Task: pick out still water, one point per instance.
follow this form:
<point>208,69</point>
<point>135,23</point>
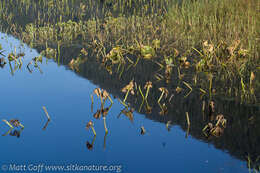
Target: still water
<point>64,141</point>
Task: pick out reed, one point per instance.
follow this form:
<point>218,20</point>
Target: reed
<point>46,113</point>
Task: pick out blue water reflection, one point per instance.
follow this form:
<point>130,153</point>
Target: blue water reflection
<point>63,142</point>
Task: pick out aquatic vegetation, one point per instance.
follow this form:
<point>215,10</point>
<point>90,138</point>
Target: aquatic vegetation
<point>17,58</point>
<point>170,37</point>
<point>7,122</point>
<point>178,89</point>
<point>12,132</point>
<point>164,109</point>
<point>128,113</point>
<point>147,52</point>
<point>147,86</point>
<point>217,129</point>
<point>185,83</point>
<point>221,120</point>
<point>188,118</point>
<point>103,95</point>
<point>97,115</point>
<point>46,124</point>
<point>2,62</point>
<point>168,125</point>
<point>75,63</point>
<point>13,122</point>
<point>46,113</point>
<point>211,107</point>
<point>128,88</point>
<point>49,52</point>
<point>16,133</point>
<point>164,92</point>
<point>103,112</point>
<point>143,131</point>
<point>91,145</point>
<point>35,61</point>
<point>90,124</point>
<point>115,55</point>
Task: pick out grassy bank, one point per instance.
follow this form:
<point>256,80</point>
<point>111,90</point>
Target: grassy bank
<point>212,45</point>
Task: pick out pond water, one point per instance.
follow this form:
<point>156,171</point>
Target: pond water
<point>63,142</point>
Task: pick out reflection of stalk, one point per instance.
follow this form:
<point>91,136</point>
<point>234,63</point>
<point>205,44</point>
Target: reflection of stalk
<point>123,103</point>
<point>160,97</point>
<point>58,53</point>
<point>123,69</point>
<point>7,133</point>
<point>12,71</point>
<point>46,124</point>
<point>29,67</point>
<point>92,103</point>
<point>187,132</point>
<point>210,85</point>
<point>126,95</point>
<point>188,119</point>
<point>102,103</point>
<point>185,83</point>
<point>8,123</point>
<point>141,106</point>
<point>147,91</point>
<point>21,125</point>
<point>105,138</point>
<point>39,69</point>
<point>140,90</point>
<point>136,61</point>
<point>46,113</point>
<point>110,99</point>
<point>93,130</point>
<point>147,105</point>
<point>105,125</point>
<point>93,140</point>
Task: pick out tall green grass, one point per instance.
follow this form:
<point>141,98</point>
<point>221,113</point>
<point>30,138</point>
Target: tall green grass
<point>217,21</point>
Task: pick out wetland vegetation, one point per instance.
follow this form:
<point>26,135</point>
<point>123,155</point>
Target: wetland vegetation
<point>169,60</point>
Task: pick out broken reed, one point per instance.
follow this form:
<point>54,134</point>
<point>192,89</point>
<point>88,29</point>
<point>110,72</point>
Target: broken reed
<point>187,118</point>
<point>46,113</point>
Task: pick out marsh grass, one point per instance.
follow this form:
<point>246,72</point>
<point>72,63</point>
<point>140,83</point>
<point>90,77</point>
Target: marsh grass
<point>219,40</point>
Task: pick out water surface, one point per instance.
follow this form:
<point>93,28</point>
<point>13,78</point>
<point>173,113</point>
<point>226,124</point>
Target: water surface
<point>67,98</point>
